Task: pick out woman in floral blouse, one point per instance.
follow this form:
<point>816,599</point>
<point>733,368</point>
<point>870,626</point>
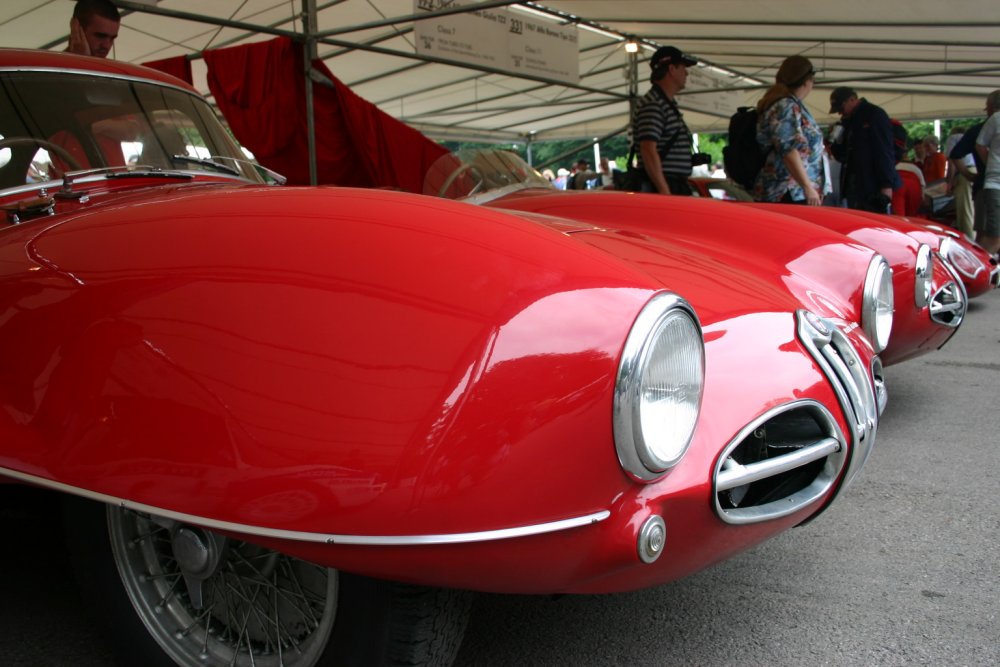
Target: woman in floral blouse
<point>793,170</point>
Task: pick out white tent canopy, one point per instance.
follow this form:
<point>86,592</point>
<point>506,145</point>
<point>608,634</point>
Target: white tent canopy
<point>921,59</point>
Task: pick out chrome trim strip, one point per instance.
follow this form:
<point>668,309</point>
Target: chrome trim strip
<point>322,538</point>
<point>733,474</point>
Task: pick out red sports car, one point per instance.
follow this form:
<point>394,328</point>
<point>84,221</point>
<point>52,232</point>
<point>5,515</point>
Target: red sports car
<point>930,299</point>
<point>294,425</point>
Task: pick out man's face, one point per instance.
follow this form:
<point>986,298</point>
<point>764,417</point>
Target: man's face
<point>847,108</point>
<point>101,34</point>
<point>679,73</point>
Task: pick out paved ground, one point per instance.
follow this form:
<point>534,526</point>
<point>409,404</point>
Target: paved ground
<point>904,570</point>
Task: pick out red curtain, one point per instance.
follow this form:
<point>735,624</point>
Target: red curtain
<point>178,66</point>
<point>260,90</point>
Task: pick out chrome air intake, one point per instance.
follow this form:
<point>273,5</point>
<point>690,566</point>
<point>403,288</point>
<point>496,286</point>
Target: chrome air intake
<point>948,305</point>
<point>792,455</point>
<point>787,459</point>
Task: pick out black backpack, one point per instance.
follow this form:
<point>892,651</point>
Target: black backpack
<point>743,157</point>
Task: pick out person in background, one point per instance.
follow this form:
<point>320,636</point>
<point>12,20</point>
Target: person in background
<point>866,151</point>
<point>935,162</point>
<point>793,168</point>
<point>93,28</point>
<point>988,199</point>
<point>580,176</point>
<point>919,152</point>
<point>961,175</point>
<point>658,128</point>
<point>605,169</point>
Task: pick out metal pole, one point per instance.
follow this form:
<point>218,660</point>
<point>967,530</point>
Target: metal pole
<point>309,52</point>
<point>632,78</point>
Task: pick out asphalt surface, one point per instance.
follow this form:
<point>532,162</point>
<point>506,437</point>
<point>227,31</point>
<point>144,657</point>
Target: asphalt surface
<point>903,570</point>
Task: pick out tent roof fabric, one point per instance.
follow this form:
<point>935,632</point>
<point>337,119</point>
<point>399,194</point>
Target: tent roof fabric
<point>919,60</point>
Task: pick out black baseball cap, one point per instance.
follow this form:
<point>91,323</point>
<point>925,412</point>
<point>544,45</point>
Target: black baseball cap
<point>839,96</point>
<point>671,55</point>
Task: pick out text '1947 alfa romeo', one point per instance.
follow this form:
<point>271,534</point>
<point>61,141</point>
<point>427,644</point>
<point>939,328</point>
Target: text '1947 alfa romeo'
<point>297,426</point>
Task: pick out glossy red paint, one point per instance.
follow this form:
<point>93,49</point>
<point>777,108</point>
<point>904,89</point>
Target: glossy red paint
<point>823,270</point>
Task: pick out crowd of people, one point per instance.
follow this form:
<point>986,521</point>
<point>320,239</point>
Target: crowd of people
<point>858,163</point>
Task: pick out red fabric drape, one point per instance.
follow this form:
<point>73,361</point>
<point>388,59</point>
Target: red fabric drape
<point>260,90</point>
<point>179,67</point>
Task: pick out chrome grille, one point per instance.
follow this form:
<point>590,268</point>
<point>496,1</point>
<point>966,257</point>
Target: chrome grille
<point>861,397</point>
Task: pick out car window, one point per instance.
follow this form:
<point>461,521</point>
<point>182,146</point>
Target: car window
<point>54,122</point>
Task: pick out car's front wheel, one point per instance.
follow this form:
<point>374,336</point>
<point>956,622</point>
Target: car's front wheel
<point>176,594</point>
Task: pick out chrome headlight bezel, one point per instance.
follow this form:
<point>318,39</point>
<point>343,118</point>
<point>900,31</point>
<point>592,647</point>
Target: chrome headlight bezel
<point>659,387</point>
<point>923,276</point>
<point>877,303</point>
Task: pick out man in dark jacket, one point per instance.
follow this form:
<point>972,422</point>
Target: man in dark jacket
<point>865,149</point>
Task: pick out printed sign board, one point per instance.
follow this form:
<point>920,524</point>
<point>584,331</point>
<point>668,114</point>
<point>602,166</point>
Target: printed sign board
<point>502,39</point>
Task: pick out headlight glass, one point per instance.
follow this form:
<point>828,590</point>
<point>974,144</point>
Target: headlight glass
<point>924,275</point>
<point>961,257</point>
<point>877,303</point>
<point>659,387</point>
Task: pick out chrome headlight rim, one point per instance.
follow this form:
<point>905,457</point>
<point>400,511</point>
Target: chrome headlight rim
<point>923,276</point>
<point>643,459</point>
<point>878,304</point>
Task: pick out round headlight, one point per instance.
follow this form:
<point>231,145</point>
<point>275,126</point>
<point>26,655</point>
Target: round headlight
<point>659,387</point>
<point>961,257</point>
<point>924,274</point>
<point>877,303</point>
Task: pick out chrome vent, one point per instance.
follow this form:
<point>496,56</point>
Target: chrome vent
<point>785,460</point>
<point>948,305</point>
<point>861,394</point>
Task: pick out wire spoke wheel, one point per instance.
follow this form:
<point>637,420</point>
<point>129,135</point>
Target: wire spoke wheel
<point>211,600</point>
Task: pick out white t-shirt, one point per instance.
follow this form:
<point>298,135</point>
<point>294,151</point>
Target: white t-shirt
<point>989,136</point>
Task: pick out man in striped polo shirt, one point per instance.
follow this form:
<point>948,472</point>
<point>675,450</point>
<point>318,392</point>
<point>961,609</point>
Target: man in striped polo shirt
<point>658,126</point>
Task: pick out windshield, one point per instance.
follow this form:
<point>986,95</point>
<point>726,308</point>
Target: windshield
<point>54,122</point>
<point>481,174</point>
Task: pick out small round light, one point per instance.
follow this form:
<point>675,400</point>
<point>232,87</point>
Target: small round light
<point>652,539</point>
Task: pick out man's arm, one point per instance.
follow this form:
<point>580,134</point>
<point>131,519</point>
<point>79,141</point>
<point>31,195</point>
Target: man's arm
<point>653,166</point>
<point>885,159</point>
<point>985,137</point>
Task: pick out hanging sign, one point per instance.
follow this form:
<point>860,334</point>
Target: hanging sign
<point>502,39</point>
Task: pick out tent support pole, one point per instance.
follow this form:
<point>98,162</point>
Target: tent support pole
<point>309,28</point>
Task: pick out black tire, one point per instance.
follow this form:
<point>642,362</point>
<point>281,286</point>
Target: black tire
<point>322,617</point>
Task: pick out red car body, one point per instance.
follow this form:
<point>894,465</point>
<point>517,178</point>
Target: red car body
<point>392,385</point>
